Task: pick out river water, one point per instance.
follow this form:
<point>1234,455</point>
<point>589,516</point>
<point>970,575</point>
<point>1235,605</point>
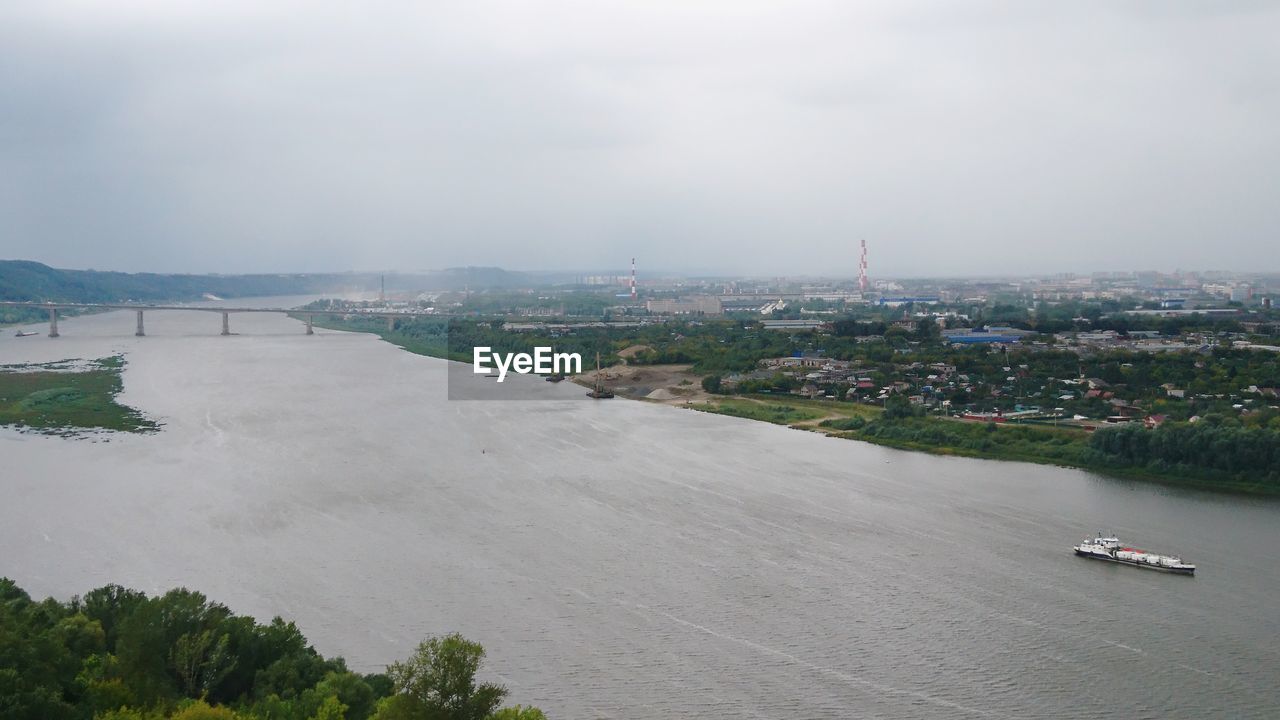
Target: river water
<point>626,560</point>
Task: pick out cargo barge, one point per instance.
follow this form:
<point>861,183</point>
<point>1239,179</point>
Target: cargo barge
<point>1111,549</point>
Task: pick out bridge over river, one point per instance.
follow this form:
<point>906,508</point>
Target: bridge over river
<point>53,309</point>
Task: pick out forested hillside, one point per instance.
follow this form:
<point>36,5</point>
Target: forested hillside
<point>23,280</point>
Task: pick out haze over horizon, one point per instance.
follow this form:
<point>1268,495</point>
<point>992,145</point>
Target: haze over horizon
<point>743,138</point>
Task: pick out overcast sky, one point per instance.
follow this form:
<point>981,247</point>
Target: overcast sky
<point>729,137</point>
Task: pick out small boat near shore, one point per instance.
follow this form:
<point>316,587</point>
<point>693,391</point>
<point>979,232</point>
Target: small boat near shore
<point>25,333</point>
<point>1111,549</point>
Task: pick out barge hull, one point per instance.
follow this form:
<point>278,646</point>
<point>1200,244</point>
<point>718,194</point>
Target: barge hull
<point>1135,563</point>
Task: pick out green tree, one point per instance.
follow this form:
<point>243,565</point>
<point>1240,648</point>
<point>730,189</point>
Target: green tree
<point>927,330</point>
<point>897,407</point>
<point>355,693</point>
<point>293,673</point>
<point>149,634</point>
<point>438,683</point>
<point>37,669</point>
<point>109,605</point>
<point>331,709</point>
<point>201,661</point>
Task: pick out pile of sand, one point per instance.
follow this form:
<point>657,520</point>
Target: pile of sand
<point>671,393</point>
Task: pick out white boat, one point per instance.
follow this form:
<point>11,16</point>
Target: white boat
<point>25,333</point>
<point>1111,549</point>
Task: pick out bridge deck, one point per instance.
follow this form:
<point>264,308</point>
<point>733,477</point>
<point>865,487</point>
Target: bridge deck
<point>202,308</point>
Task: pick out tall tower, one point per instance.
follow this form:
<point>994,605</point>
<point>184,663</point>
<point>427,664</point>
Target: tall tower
<point>862,269</point>
<point>633,279</point>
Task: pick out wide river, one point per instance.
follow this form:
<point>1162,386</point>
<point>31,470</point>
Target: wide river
<point>627,560</point>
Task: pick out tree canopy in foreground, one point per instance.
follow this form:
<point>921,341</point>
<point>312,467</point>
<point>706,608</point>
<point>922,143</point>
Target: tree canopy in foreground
<point>117,654</point>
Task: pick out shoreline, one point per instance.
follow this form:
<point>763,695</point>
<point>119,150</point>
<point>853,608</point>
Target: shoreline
<point>677,386</point>
<point>702,401</point>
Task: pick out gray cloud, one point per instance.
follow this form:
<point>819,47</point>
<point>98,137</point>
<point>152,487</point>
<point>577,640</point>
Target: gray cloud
<point>746,137</point>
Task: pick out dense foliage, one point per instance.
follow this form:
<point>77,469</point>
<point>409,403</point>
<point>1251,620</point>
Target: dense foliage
<point>1248,456</point>
<point>1215,452</point>
<point>117,654</point>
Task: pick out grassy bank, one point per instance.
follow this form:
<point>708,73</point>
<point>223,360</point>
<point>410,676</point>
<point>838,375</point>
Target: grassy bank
<point>67,398</point>
<point>783,409</point>
<point>1045,445</point>
<point>776,413</point>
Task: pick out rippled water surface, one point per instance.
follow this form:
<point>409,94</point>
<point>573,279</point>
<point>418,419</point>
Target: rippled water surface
<point>626,560</point>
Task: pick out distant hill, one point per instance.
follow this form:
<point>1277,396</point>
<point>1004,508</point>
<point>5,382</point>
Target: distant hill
<point>26,281</point>
<point>475,278</point>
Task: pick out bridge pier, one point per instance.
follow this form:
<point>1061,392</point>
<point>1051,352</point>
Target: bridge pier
<point>309,330</point>
<point>391,324</point>
<point>53,322</point>
<point>140,332</point>
<point>226,323</point>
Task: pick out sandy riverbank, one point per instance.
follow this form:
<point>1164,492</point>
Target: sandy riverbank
<point>666,384</point>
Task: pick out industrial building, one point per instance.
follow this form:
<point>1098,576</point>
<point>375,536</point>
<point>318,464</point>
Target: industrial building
<point>696,305</point>
<point>992,334</point>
